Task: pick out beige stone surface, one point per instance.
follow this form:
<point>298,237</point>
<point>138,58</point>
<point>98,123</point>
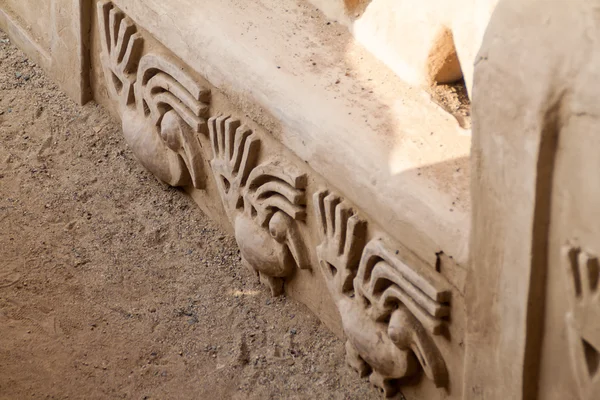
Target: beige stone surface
<point>54,33</point>
<point>532,291</point>
<point>432,41</point>
<point>35,16</point>
<point>405,150</point>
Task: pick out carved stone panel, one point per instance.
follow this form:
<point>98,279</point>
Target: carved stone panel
<point>162,108</point>
<point>583,319</point>
<point>393,313</point>
<point>389,310</point>
<point>265,202</point>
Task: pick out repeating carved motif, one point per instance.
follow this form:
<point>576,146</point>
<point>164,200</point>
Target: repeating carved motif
<point>583,319</point>
<point>163,110</point>
<point>389,309</point>
<point>265,202</point>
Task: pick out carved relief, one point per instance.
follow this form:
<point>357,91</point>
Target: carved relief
<point>121,50</point>
<point>162,108</point>
<point>264,202</point>
<point>389,310</point>
<point>583,319</point>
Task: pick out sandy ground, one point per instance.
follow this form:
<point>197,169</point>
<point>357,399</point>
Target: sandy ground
<point>455,100</point>
<point>113,285</point>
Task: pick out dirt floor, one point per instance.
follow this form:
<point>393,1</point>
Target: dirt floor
<point>113,285</point>
<point>455,100</point>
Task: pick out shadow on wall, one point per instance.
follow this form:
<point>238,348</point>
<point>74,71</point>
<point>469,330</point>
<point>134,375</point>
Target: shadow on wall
<point>418,44</point>
<point>418,163</point>
<point>426,148</point>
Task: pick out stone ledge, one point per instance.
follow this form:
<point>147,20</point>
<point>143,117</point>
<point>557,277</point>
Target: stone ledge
<point>55,35</point>
<point>407,153</point>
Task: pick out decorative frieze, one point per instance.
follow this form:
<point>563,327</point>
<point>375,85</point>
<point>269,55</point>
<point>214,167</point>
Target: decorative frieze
<point>391,311</point>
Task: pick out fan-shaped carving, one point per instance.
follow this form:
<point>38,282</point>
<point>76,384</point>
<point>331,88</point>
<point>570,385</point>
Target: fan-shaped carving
<point>162,108</point>
<point>121,50</point>
<point>177,106</point>
<point>265,202</point>
<point>389,310</point>
<point>414,300</point>
<point>235,153</point>
<point>583,318</point>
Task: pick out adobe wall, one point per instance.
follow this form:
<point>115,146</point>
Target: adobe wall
<point>344,187</point>
<point>295,227</point>
<point>347,189</point>
<point>533,295</point>
<point>299,154</point>
<point>54,33</point>
<point>429,42</point>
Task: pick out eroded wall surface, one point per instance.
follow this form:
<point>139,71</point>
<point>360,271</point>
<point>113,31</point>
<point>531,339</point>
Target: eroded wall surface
<point>425,43</point>
<point>344,187</point>
<point>533,299</point>
<point>54,33</point>
<point>296,230</point>
<point>347,189</point>
<point>36,16</point>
